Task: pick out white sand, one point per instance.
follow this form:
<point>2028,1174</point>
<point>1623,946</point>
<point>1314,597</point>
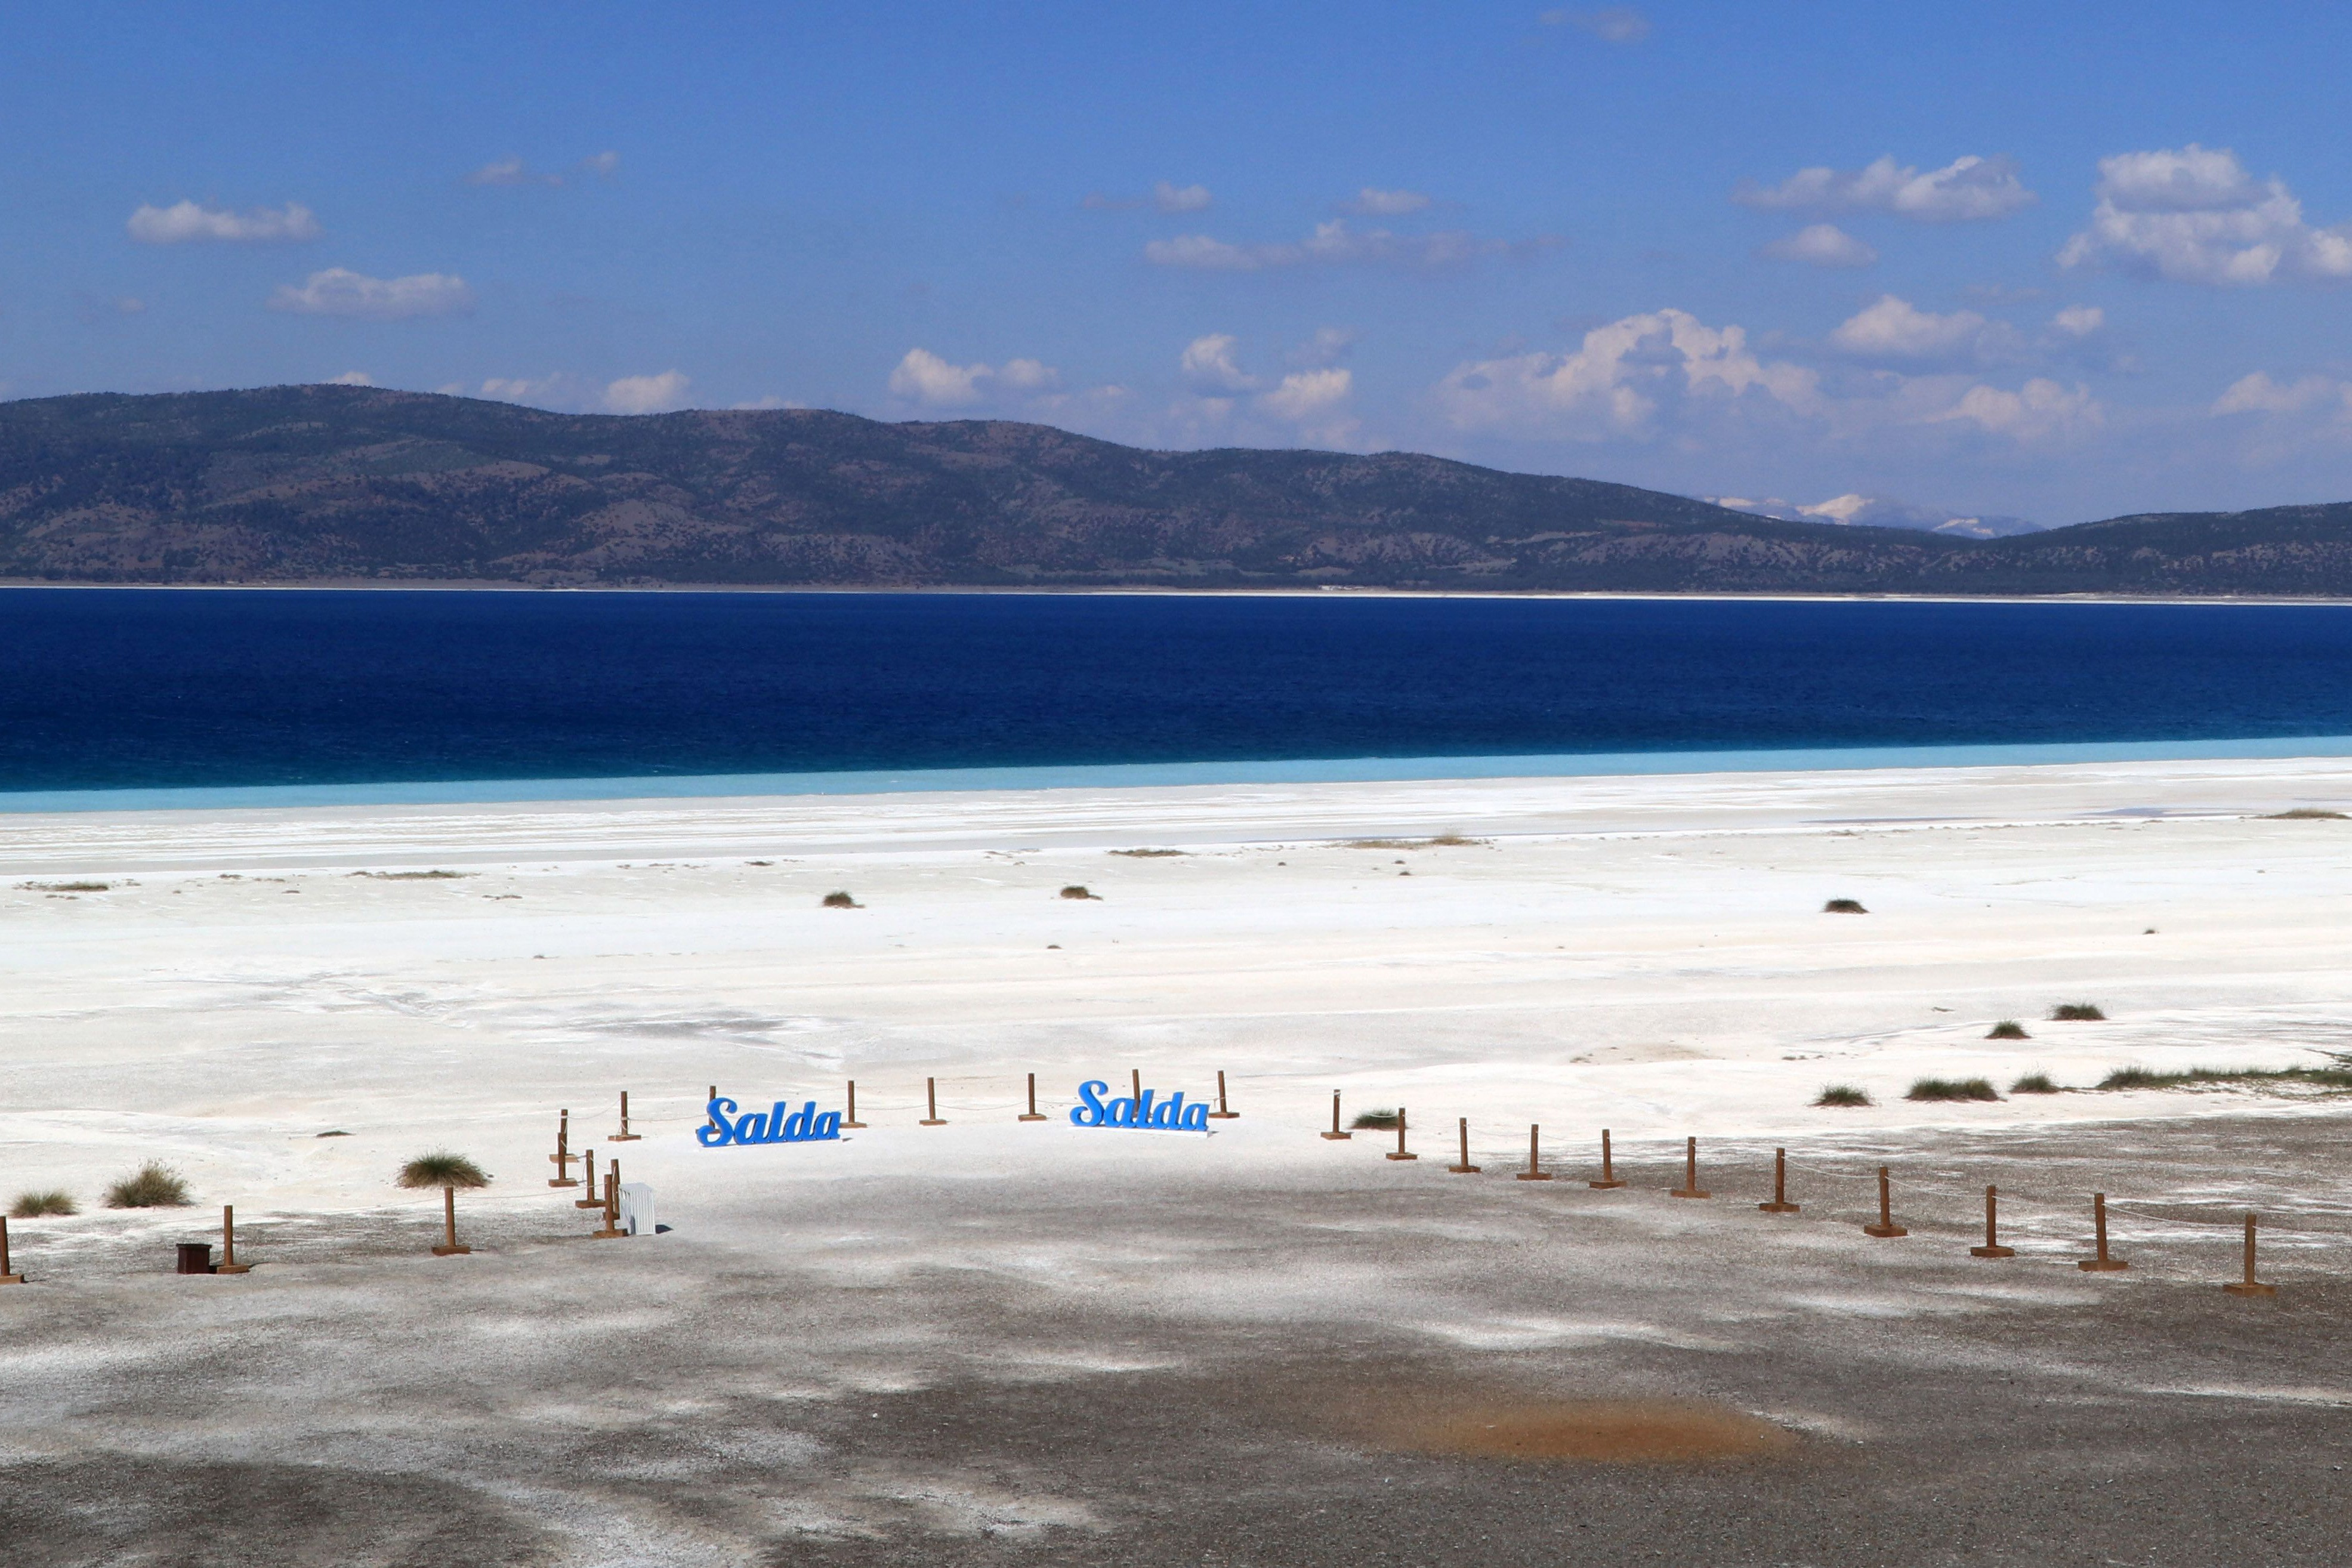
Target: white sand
<point>1643,953</point>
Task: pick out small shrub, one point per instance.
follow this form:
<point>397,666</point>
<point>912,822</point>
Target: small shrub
<point>2008,1030</point>
<point>838,900</point>
<point>1146,853</point>
<point>2306,813</point>
<point>1951,1089</point>
<point>33,1205</point>
<point>2077,1013</point>
<point>66,887</point>
<point>2337,1077</point>
<point>413,876</point>
<point>1076,892</point>
<point>1387,1119</point>
<point>1844,907</point>
<point>1842,1094</point>
<point>2034,1083</point>
<point>154,1185</point>
<point>442,1169</point>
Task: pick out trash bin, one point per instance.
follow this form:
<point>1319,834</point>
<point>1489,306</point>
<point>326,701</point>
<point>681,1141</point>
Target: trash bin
<point>195,1258</point>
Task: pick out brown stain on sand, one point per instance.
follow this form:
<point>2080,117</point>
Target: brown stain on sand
<point>1584,1431</point>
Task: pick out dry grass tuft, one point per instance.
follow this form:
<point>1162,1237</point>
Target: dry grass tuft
<point>442,1169</point>
<point>1144,854</point>
<point>1387,1119</point>
<point>65,887</point>
<point>1951,1089</point>
<point>154,1185</point>
<point>2306,813</point>
<point>35,1205</point>
<point>2035,1083</point>
<point>1076,892</point>
<point>1842,1094</point>
<point>840,900</point>
<point>1844,907</point>
<point>2008,1030</point>
<point>413,876</point>
<point>1442,841</point>
<point>2337,1077</point>
<point>2077,1013</point>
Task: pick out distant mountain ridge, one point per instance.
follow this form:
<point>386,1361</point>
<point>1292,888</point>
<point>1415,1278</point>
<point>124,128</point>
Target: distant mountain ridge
<point>340,484</point>
<point>1884,511</point>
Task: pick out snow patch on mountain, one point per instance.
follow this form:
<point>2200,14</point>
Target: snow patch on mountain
<point>1881,512</point>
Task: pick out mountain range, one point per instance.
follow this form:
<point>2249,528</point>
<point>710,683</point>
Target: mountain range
<point>340,484</point>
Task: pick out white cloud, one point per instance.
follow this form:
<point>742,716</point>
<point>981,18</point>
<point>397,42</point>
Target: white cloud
<point>512,170</point>
<point>1305,394</point>
<point>2193,215</point>
<point>339,291</point>
<point>184,223</point>
<point>2258,394</point>
<point>1171,198</point>
<point>1620,381</point>
<point>2079,321</point>
<point>352,378</point>
<point>647,394</point>
<point>547,389</point>
<point>1893,329</point>
<point>1208,364</point>
<point>1331,243</point>
<point>1616,24</point>
<point>1965,188</point>
<point>1822,245</point>
<point>604,166</point>
<point>924,377</point>
<point>2042,410</point>
<point>1373,202</point>
<point>1328,346</point>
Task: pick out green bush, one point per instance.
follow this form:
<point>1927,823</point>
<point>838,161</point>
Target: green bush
<point>154,1185</point>
<point>2077,1013</point>
<point>1842,1094</point>
<point>2034,1083</point>
<point>2008,1029</point>
<point>1951,1089</point>
<point>33,1205</point>
<point>1844,907</point>
<point>1387,1119</point>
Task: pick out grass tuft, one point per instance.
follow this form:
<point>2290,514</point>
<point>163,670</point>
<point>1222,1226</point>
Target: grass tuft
<point>1387,1119</point>
<point>1844,907</point>
<point>2008,1030</point>
<point>413,876</point>
<point>2337,1077</point>
<point>1076,892</point>
<point>154,1185</point>
<point>1146,853</point>
<point>840,900</point>
<point>34,1206</point>
<point>1951,1089</point>
<point>2077,1013</point>
<point>2035,1083</point>
<point>442,1169</point>
<point>1442,841</point>
<point>65,887</point>
<point>2306,813</point>
<point>1842,1094</point>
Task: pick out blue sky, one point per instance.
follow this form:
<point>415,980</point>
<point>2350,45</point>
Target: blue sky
<point>2058,261</point>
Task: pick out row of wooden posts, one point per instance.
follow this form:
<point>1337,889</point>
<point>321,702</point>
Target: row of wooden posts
<point>2101,1261</point>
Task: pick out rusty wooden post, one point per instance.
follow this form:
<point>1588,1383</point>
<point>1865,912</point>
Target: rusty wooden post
<point>1885,1227</point>
<point>622,1136</point>
<point>6,1276</point>
<point>2100,1263</point>
<point>1400,1154</point>
<point>1779,1203</point>
<point>1220,1113</point>
<point>449,1246</point>
<point>1535,1171</point>
<point>1033,1113</point>
<point>1690,1187</point>
<point>1466,1168</point>
<point>588,1165</point>
<point>1135,1088</point>
<point>562,1157</point>
<point>1610,1179</point>
<point>612,1226</point>
<point>1335,1135</point>
<point>931,1098</point>
<point>713,1120</point>
<point>2249,1286</point>
<point>228,1263</point>
<point>1992,1247</point>
<point>851,1120</point>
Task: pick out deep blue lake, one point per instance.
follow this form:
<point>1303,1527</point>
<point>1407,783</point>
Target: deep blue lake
<point>129,688</point>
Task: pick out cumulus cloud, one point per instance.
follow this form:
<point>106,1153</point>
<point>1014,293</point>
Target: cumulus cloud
<point>1891,329</point>
<point>1171,198</point>
<point>1822,245</point>
<point>924,377</point>
<point>2194,214</point>
<point>1615,24</point>
<point>352,378</point>
<point>1373,202</point>
<point>1966,188</point>
<point>1207,364</point>
<point>647,394</point>
<point>1333,244</point>
<point>2079,321</point>
<point>2258,394</point>
<point>1328,346</point>
<point>2039,411</point>
<point>1305,394</point>
<point>339,291</point>
<point>185,222</point>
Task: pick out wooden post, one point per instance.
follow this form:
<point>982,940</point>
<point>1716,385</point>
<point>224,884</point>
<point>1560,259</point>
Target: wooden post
<point>562,1157</point>
<point>1885,1227</point>
<point>6,1277</point>
<point>2100,1263</point>
<point>449,1246</point>
<point>1992,1247</point>
<point>1032,1114</point>
<point>1535,1171</point>
<point>1466,1168</point>
<point>1220,1113</point>
<point>1135,1088</point>
<point>1690,1187</point>
<point>1400,1154</point>
<point>612,1226</point>
<point>1779,1203</point>
<point>851,1120</point>
<point>931,1097</point>
<point>2249,1286</point>
<point>1335,1132</point>
<point>622,1136</point>
<point>1609,1180</point>
<point>588,1166</point>
<point>228,1263</point>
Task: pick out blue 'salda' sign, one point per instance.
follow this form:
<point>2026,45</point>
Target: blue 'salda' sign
<point>1173,1115</point>
<point>801,1126</point>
